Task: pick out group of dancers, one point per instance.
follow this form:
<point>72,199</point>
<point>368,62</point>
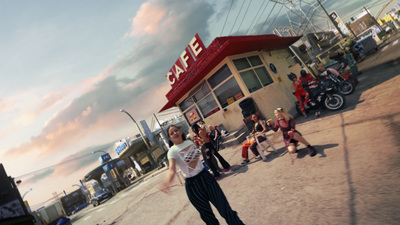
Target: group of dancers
<point>202,187</point>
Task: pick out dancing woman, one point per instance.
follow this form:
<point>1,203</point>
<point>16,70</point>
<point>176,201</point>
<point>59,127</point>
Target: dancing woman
<point>208,151</point>
<point>291,136</point>
<point>201,187</point>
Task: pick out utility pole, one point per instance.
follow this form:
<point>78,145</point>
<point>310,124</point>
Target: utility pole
<point>376,22</point>
<point>336,26</point>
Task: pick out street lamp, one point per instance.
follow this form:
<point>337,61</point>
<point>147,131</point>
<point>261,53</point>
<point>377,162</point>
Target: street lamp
<point>99,151</point>
<point>26,193</point>
<point>140,130</point>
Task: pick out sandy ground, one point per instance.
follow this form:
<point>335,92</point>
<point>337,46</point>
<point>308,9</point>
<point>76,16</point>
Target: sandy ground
<point>354,179</point>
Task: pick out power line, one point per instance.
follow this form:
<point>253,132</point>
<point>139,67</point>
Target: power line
<point>267,18</point>
<point>226,18</point>
<point>265,7</point>
<point>275,17</point>
<point>255,17</point>
<point>240,10</point>
<point>244,16</point>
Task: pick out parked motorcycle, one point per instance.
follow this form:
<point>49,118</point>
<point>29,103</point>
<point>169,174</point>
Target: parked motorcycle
<point>342,85</point>
<point>322,96</point>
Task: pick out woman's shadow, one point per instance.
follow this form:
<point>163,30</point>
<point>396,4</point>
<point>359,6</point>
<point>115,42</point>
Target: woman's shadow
<point>320,150</point>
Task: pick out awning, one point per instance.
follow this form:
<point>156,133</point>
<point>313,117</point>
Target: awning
<point>218,50</point>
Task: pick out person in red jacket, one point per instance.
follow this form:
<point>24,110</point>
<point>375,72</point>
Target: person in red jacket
<point>305,77</point>
<point>299,92</point>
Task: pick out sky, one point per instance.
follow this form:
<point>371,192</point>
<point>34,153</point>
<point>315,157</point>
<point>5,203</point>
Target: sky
<point>68,67</point>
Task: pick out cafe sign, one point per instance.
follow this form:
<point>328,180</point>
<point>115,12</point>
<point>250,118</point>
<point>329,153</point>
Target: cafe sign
<point>191,53</point>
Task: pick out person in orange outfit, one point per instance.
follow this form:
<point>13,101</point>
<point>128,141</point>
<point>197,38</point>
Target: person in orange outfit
<point>305,77</point>
<point>299,92</point>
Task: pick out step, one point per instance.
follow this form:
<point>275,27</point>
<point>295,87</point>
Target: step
<point>234,138</point>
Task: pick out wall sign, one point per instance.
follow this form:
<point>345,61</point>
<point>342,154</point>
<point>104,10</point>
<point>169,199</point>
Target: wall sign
<point>192,116</point>
<point>273,68</point>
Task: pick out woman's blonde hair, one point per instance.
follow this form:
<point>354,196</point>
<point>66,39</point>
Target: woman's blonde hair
<point>286,115</point>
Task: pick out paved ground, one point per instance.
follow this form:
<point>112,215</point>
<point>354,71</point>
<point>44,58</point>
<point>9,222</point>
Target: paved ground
<point>354,179</point>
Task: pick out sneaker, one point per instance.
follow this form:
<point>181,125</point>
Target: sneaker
<point>226,170</point>
<point>217,177</point>
<point>317,114</point>
<point>258,157</point>
<point>311,151</point>
<point>245,162</point>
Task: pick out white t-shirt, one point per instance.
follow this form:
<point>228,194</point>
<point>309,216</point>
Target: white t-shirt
<point>187,157</point>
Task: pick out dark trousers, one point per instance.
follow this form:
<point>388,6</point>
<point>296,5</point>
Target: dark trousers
<point>209,159</point>
<point>203,189</point>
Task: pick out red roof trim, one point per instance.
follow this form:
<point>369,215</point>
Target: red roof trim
<point>218,50</point>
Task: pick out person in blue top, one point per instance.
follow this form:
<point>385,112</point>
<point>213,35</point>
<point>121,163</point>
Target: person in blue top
<point>201,187</point>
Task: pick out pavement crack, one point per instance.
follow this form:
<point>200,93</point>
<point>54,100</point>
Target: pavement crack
<point>171,221</point>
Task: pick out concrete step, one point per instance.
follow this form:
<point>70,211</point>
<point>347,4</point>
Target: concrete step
<point>234,138</point>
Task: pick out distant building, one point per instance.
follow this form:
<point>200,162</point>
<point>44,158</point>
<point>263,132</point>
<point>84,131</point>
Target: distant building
<point>362,23</point>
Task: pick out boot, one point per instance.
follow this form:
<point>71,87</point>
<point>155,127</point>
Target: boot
<point>304,113</point>
<point>311,151</point>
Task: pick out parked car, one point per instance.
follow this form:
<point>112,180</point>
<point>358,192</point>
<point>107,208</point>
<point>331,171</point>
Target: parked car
<point>100,196</point>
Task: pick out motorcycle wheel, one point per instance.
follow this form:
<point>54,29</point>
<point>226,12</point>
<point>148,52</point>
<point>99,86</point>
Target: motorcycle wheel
<point>334,103</point>
<point>345,87</point>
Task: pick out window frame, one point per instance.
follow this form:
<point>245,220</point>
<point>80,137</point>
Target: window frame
<point>212,92</point>
<point>254,71</point>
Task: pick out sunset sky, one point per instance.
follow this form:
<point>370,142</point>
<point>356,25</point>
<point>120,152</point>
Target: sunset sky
<point>68,67</point>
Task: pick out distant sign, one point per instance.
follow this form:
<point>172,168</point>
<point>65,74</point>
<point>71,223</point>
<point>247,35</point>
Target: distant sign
<point>273,68</point>
<point>192,116</point>
<point>108,167</point>
<point>148,132</point>
<point>230,100</point>
<point>104,158</point>
<point>238,96</point>
<point>335,17</point>
<point>121,146</point>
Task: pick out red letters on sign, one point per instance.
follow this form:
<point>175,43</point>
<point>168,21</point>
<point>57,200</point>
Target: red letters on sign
<point>191,53</point>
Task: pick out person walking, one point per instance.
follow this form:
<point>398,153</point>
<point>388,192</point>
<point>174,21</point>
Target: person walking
<point>201,187</point>
<point>208,151</point>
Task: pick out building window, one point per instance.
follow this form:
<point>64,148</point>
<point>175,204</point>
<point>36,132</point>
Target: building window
<point>362,26</point>
<point>253,72</point>
<point>220,88</point>
<point>208,106</point>
<point>188,102</point>
<point>228,92</point>
<point>200,92</point>
<point>218,77</point>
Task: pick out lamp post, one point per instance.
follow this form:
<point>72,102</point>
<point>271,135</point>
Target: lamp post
<point>149,155</point>
<point>140,130</point>
<point>99,151</point>
<point>26,193</point>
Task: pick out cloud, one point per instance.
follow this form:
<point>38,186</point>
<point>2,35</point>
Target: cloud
<point>148,18</point>
<point>84,160</point>
<point>141,91</point>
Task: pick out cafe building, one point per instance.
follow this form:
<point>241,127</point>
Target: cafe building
<point>209,83</point>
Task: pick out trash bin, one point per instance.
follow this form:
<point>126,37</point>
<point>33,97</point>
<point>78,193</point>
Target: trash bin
<point>64,221</point>
<point>352,64</point>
